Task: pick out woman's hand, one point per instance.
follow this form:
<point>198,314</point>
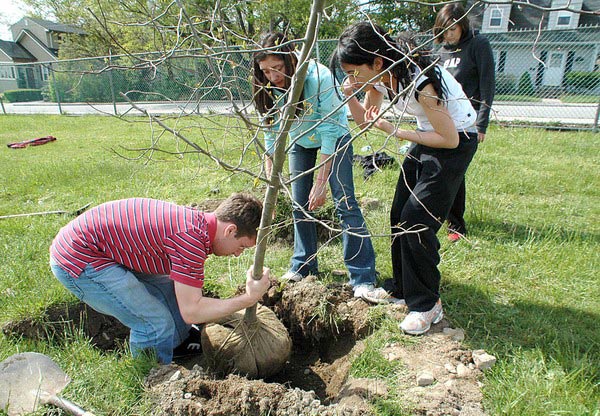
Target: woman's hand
<point>348,87</point>
<point>382,124</point>
<point>318,195</point>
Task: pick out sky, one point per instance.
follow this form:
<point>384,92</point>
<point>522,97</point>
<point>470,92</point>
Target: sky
<point>10,12</point>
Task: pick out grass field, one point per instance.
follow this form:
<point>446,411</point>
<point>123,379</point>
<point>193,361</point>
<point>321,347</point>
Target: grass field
<point>525,286</point>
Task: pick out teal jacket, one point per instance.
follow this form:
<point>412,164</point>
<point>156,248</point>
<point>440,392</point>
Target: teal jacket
<point>320,98</point>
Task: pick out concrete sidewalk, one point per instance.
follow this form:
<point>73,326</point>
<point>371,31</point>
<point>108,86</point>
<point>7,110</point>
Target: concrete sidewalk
<point>541,112</point>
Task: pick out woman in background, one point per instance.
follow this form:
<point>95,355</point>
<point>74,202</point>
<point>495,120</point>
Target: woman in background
<point>468,56</point>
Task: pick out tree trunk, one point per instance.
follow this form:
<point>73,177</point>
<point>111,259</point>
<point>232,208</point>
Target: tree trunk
<point>279,155</point>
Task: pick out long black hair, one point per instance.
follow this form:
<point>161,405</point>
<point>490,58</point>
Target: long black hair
<point>362,42</point>
<point>261,88</point>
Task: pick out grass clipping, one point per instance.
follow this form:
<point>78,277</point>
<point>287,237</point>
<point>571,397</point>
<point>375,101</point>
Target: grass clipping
<point>256,349</point>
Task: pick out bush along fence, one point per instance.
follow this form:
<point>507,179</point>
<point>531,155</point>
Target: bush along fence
<point>550,76</point>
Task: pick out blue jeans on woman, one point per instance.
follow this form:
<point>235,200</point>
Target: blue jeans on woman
<point>144,303</point>
<point>359,255</point>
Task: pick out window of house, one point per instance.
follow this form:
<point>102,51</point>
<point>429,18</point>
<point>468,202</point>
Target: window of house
<point>496,18</point>
<point>45,73</point>
<point>563,20</point>
<point>556,59</point>
<point>7,72</point>
<point>501,62</point>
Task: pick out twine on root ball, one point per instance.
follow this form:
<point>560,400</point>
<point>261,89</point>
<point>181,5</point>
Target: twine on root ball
<point>256,348</point>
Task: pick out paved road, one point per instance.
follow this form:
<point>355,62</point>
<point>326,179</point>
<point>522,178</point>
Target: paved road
<point>544,112</point>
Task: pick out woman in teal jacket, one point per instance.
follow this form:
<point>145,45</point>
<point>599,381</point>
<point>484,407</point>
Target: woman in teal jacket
<point>321,125</point>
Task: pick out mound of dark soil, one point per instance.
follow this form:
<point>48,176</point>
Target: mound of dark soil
<point>317,314</point>
<point>327,326</point>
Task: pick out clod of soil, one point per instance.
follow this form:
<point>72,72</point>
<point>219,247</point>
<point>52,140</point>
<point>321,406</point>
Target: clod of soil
<point>317,314</point>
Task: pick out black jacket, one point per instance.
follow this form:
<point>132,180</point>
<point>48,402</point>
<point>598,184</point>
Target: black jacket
<point>471,62</point>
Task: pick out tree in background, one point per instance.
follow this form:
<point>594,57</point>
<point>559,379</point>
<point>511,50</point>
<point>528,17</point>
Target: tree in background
<point>402,15</point>
<point>139,26</point>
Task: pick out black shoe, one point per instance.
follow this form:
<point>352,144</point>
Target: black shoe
<point>191,345</point>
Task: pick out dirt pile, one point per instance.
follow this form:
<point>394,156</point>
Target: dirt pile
<point>178,391</point>
<point>105,332</point>
<point>327,326</point>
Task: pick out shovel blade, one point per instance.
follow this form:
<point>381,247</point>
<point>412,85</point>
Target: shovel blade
<point>26,380</point>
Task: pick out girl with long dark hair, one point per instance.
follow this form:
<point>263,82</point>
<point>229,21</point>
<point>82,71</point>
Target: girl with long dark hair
<point>468,56</point>
<point>441,150</point>
<point>321,126</point>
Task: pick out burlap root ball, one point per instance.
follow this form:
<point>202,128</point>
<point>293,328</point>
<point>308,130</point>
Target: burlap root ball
<point>255,349</point>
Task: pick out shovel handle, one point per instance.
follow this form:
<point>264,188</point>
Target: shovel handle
<point>67,406</point>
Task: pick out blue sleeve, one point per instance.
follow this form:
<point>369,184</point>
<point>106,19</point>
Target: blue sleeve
<point>325,99</point>
<point>270,132</point>
<point>269,141</point>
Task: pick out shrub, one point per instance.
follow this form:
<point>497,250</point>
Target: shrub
<point>525,84</point>
<point>284,226</point>
<point>582,80</point>
<point>506,84</point>
<point>25,95</point>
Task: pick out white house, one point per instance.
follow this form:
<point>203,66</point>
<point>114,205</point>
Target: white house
<point>34,40</point>
<point>548,39</point>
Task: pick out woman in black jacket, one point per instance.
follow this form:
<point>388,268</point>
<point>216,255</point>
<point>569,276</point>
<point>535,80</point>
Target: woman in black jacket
<point>468,56</point>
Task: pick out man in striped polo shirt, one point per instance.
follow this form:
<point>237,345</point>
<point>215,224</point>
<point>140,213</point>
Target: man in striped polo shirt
<point>142,261</point>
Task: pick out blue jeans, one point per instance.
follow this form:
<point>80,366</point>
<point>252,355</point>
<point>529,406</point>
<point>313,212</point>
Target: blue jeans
<point>359,255</point>
<point>144,303</point>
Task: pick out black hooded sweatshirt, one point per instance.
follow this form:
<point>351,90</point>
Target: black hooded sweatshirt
<point>471,62</point>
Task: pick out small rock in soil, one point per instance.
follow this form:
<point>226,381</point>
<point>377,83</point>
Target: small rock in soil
<point>425,379</point>
<point>483,360</point>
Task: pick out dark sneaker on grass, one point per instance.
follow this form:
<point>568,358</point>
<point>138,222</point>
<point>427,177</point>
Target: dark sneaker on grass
<point>191,345</point>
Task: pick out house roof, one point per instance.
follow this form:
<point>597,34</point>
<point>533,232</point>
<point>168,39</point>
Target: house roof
<point>590,19</point>
<point>525,17</point>
<point>57,27</point>
<point>15,51</point>
<point>578,36</point>
<point>53,53</point>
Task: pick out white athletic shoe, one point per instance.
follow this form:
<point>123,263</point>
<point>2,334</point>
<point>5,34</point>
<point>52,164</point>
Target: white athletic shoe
<point>291,276</point>
<point>417,323</point>
<point>373,294</point>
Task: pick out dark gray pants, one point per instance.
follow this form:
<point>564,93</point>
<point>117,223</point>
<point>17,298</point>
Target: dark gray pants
<point>425,191</point>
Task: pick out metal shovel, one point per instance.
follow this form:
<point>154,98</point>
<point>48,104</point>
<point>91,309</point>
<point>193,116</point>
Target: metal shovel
<point>30,380</point>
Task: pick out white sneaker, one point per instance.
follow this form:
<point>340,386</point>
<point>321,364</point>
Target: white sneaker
<point>417,323</point>
<point>372,294</point>
<point>291,276</point>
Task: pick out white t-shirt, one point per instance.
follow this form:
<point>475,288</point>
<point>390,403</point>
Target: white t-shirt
<point>455,100</point>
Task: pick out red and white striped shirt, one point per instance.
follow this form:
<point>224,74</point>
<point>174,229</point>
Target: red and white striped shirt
<point>144,235</point>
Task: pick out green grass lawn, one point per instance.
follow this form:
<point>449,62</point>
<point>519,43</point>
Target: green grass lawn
<point>525,285</point>
<point>579,98</point>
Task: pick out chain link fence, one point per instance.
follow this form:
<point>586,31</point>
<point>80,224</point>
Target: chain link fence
<point>541,77</point>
